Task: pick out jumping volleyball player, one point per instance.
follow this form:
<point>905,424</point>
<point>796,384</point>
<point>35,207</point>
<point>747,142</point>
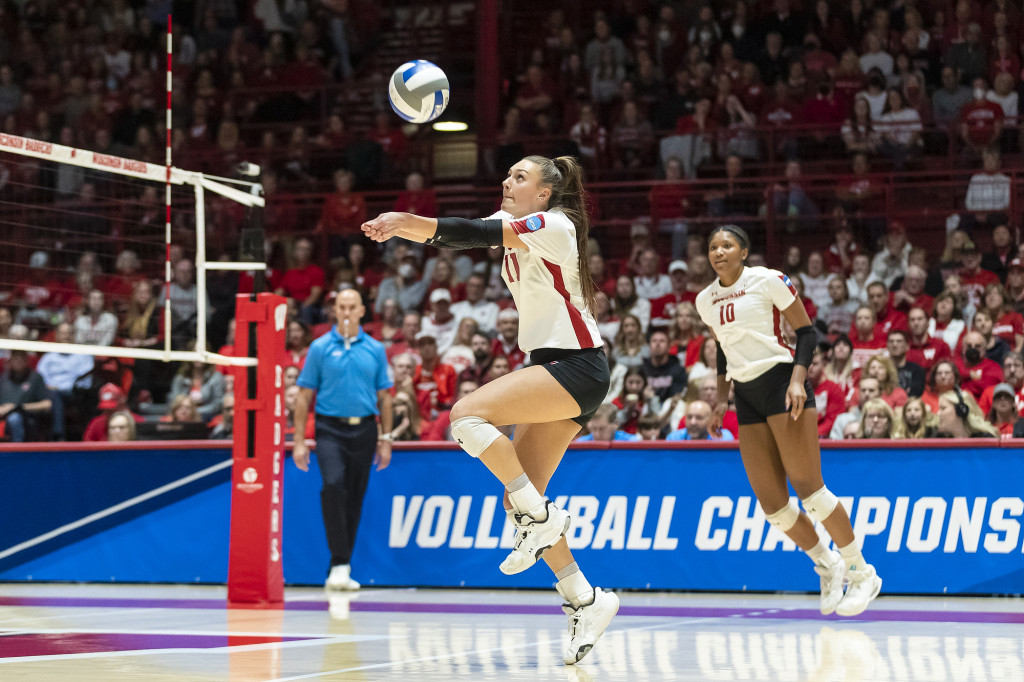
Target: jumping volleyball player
<point>543,226</point>
<point>778,437</point>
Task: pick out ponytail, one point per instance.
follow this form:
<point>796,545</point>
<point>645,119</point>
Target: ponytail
<point>564,176</point>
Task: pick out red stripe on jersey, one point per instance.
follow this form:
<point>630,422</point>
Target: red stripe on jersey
<point>777,322</point>
<point>531,224</point>
<point>789,283</point>
<point>578,325</point>
<point>515,262</point>
<point>508,270</point>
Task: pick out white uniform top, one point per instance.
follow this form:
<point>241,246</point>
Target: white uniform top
<point>747,320</point>
<point>545,284</point>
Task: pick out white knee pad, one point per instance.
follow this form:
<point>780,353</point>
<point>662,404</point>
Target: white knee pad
<point>820,504</point>
<point>785,518</point>
<point>474,434</point>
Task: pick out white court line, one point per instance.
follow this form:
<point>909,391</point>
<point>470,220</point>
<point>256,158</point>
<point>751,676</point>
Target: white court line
<point>334,639</point>
<point>113,510</point>
<point>203,633</point>
<point>64,615</point>
<point>455,654</point>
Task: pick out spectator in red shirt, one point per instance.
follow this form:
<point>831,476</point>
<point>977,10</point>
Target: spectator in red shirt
<point>981,121</point>
<point>1013,375</point>
<point>297,343</point>
<point>663,308</point>
<point>978,372</point>
<point>829,397</point>
<point>887,317</point>
<point>415,198</point>
<point>865,339</point>
<point>507,342</point>
<point>973,279</point>
<point>112,399</point>
<point>41,293</point>
<point>911,293</point>
<point>434,380</point>
<point>440,429</point>
<point>344,211</point>
<point>671,207</point>
<point>925,350</point>
<point>389,137</point>
<point>1008,324</point>
<point>304,282</point>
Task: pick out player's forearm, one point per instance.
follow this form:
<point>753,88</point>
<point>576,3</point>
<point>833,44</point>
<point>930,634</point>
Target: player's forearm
<point>416,228</point>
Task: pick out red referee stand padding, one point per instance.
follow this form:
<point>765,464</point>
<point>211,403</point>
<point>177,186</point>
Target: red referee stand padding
<point>255,576</point>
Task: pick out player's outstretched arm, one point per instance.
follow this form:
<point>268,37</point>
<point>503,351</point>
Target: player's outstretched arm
<point>406,225</point>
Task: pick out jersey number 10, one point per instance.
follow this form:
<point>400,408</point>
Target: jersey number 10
<point>727,313</point>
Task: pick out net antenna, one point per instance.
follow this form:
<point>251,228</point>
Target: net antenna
<point>37,210</point>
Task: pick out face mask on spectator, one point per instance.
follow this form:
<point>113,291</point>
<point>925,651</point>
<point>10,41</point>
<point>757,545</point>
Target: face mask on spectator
<point>972,355</point>
<point>979,93</point>
<point>406,270</point>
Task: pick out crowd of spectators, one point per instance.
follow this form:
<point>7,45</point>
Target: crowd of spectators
<point>639,84</point>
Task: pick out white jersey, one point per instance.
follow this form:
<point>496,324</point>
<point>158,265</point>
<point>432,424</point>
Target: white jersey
<point>746,318</point>
<point>545,283</point>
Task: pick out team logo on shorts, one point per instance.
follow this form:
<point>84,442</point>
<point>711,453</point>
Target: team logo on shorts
<point>534,223</point>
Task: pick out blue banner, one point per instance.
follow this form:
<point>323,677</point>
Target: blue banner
<point>933,520</point>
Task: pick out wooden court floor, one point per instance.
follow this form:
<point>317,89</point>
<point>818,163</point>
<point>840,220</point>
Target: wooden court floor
<point>103,633</point>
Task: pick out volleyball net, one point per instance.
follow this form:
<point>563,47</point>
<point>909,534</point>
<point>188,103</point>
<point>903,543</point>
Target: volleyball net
<point>75,221</point>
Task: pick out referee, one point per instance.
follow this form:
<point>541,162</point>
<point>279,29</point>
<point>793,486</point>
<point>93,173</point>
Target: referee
<point>349,371</point>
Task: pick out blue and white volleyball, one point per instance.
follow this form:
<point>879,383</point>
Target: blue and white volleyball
<point>418,91</point>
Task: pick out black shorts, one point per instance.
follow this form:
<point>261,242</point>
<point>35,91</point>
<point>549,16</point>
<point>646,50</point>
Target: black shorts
<point>764,396</point>
<point>584,373</point>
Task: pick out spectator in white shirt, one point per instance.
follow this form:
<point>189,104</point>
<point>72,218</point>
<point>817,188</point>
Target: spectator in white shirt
<point>988,194</point>
<point>816,280</point>
<point>61,371</point>
<point>476,306</point>
<point>891,262</point>
<point>650,283</point>
<point>440,323</point>
<point>95,327</point>
<point>1003,94</point>
<point>875,57</point>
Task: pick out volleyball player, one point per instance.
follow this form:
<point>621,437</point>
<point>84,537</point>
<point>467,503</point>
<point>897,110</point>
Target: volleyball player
<point>543,226</point>
<point>778,436</point>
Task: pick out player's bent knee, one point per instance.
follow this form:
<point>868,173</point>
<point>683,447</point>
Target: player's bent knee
<point>785,518</point>
<point>474,434</point>
<point>820,504</point>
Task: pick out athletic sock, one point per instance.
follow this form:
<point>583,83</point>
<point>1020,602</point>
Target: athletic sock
<point>574,586</point>
<point>819,554</point>
<point>525,498</point>
<point>852,556</point>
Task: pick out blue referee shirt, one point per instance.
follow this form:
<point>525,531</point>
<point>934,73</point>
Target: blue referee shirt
<point>346,379</point>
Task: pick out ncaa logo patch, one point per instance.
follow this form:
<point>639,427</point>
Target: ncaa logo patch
<point>534,223</point>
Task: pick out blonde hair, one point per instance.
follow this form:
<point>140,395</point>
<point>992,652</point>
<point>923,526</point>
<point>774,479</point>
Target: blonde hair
<point>878,405</point>
<point>929,420</point>
<point>975,421</point>
<point>892,377</point>
<point>183,400</point>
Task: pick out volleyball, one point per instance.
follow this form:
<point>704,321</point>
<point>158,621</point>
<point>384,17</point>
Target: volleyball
<point>418,91</point>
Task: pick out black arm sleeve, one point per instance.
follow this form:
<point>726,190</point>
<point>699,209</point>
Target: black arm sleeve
<point>461,233</point>
<point>806,341</point>
<point>720,359</point>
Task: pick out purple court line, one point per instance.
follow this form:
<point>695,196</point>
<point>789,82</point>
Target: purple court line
<point>533,609</point>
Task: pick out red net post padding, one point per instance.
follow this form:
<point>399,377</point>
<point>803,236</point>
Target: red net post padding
<point>255,576</point>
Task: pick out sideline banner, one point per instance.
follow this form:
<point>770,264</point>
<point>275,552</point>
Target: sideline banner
<point>934,520</point>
